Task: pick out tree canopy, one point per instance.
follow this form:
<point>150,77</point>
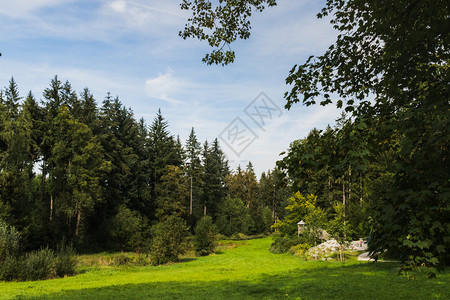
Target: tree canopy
<point>389,69</point>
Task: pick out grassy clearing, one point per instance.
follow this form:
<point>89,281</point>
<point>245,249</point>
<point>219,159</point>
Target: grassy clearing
<point>243,270</point>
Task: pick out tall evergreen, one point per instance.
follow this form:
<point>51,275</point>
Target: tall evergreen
<point>124,185</point>
<point>76,167</point>
<point>194,170</point>
<point>172,194</point>
<point>273,193</point>
<point>16,163</point>
<point>214,172</point>
<point>163,150</point>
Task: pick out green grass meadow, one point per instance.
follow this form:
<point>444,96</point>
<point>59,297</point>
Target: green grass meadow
<point>248,271</point>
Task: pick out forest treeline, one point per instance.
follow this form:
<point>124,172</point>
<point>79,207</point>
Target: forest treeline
<point>96,176</point>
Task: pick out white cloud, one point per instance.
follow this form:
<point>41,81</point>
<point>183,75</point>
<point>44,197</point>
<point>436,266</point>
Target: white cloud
<point>109,45</point>
<point>279,133</point>
<point>165,87</point>
<point>119,6</point>
<point>149,16</point>
<point>24,8</point>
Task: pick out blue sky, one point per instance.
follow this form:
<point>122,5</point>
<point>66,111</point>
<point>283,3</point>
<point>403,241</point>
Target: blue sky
<point>132,49</point>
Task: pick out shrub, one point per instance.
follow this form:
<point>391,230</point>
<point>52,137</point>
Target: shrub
<point>126,229</point>
<point>66,261</point>
<point>121,260</point>
<point>283,244</point>
<point>233,218</point>
<point>38,265</point>
<point>205,236</point>
<point>300,249</point>
<point>9,269</point>
<point>35,265</point>
<point>9,241</point>
<point>169,240</point>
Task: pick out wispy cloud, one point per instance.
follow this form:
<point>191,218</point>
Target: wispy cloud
<point>132,49</point>
<point>165,86</point>
<point>292,125</point>
<point>26,8</point>
<point>148,16</point>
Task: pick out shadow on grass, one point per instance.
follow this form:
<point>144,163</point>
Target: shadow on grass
<point>186,259</point>
<point>359,281</point>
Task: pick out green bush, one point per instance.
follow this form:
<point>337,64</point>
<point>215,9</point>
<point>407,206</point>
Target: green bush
<point>126,229</point>
<point>9,269</point>
<point>205,236</point>
<point>300,249</point>
<point>66,261</point>
<point>233,217</point>
<point>38,265</point>
<point>169,241</point>
<point>121,260</point>
<point>9,241</point>
<point>284,244</point>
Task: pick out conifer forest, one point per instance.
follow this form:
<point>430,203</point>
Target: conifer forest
<point>79,173</point>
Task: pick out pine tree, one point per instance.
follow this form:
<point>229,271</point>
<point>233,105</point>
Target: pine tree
<point>163,151</point>
<point>16,161</point>
<point>194,170</point>
<point>126,184</point>
<point>213,177</point>
<point>172,199</point>
<point>76,167</point>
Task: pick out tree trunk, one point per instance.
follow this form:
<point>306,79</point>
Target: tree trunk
<point>43,180</point>
<point>77,228</point>
<point>204,210</point>
<point>51,208</point>
<point>360,189</point>
<point>190,202</point>
<point>343,208</point>
<point>273,203</point>
<point>349,183</point>
<point>343,197</point>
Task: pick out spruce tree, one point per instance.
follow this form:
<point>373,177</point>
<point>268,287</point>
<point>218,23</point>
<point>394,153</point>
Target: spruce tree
<point>194,171</point>
<point>163,150</point>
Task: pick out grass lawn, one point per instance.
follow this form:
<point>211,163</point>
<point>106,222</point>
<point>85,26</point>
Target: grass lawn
<point>249,271</point>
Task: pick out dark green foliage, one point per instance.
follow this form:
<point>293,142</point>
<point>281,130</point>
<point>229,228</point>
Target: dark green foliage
<point>243,185</point>
<point>282,244</point>
<point>389,68</point>
<point>405,65</point>
<point>213,178</point>
<point>169,240</point>
<point>220,25</point>
<point>205,236</point>
<point>66,260</point>
<point>10,268</point>
<point>127,229</point>
<point>163,151</point>
<point>35,265</point>
<point>172,199</point>
<point>103,175</point>
<point>38,265</point>
<point>194,171</point>
<point>233,217</point>
<point>9,241</point>
<point>273,193</point>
